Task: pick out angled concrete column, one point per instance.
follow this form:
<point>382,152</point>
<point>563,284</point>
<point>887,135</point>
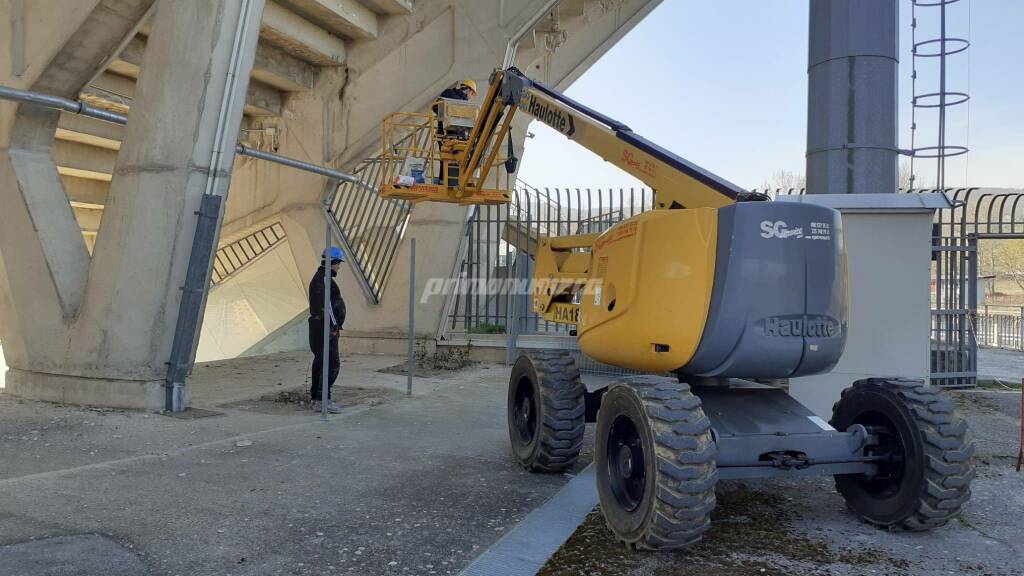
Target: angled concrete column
<point>43,259</point>
<point>112,348</point>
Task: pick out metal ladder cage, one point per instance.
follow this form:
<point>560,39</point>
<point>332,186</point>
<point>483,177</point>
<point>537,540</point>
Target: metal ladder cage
<point>941,100</point>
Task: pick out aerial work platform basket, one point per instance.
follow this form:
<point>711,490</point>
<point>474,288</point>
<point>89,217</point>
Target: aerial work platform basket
<point>428,157</point>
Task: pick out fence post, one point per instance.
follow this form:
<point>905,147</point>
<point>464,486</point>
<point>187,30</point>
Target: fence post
<point>412,314</point>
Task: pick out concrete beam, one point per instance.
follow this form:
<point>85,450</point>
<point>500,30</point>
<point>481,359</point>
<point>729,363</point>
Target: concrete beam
<point>346,18</point>
<point>110,92</point>
<point>389,6</point>
<point>82,158</point>
<point>83,137</point>
<point>275,67</point>
<point>300,37</point>
<point>89,127</point>
<point>130,58</point>
<point>86,192</point>
<point>87,139</point>
<point>263,100</point>
<point>260,99</point>
<point>88,217</point>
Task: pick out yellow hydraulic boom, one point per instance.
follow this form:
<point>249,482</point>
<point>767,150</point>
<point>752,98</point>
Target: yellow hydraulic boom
<point>593,282</point>
<point>455,154</point>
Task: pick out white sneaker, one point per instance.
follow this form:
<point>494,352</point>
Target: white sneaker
<point>332,408</point>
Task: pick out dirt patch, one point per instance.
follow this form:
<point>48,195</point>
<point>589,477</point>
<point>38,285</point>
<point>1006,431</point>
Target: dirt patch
<point>426,365</point>
<point>751,534</point>
<point>297,400</point>
<point>973,401</point>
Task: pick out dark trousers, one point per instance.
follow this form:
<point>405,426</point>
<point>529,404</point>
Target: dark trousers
<point>316,345</point>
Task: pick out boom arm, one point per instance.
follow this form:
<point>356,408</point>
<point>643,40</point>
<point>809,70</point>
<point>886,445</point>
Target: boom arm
<point>678,183</point>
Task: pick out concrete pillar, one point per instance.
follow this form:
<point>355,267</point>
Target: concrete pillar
<point>112,349</point>
<point>43,259</point>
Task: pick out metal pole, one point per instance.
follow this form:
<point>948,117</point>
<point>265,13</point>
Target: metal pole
<point>1020,453</point>
<point>412,303</point>
<point>328,312</point>
<point>83,109</point>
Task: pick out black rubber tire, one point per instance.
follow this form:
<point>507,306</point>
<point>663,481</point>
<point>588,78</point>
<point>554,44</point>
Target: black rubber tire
<point>552,439</point>
<point>934,478</point>
<point>678,483</point>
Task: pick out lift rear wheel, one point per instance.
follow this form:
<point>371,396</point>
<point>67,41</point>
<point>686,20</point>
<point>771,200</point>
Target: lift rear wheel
<point>926,477</point>
<point>655,461</point>
<point>546,410</point>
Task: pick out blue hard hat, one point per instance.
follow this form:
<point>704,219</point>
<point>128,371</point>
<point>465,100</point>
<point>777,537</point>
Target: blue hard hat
<point>334,253</point>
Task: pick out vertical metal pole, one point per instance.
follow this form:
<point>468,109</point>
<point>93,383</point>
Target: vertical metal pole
<point>412,304</point>
<point>325,363</point>
<point>972,308</point>
<point>1020,453</point>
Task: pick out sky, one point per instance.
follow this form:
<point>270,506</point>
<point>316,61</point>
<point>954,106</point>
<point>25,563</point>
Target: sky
<point>724,84</point>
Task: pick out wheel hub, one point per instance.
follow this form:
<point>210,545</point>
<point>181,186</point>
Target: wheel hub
<point>525,416</point>
<point>626,463</point>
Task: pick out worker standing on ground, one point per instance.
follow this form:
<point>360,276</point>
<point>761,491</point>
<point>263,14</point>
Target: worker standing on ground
<point>317,316</point>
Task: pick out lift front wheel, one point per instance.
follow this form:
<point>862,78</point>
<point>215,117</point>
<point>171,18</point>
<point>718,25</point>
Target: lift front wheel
<point>924,476</point>
<point>655,461</point>
<point>546,410</point>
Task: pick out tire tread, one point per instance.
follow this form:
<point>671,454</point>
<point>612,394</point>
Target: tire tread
<point>948,451</point>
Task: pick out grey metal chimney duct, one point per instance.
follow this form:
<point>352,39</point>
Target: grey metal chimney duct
<point>852,96</point>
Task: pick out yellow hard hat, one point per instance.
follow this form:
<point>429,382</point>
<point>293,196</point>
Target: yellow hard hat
<point>471,84</point>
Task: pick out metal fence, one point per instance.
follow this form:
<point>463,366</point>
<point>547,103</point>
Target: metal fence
<point>490,303</point>
<point>1001,327</point>
<point>235,256</point>
<point>489,299</point>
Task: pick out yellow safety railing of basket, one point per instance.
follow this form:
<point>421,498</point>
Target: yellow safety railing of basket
<point>419,163</point>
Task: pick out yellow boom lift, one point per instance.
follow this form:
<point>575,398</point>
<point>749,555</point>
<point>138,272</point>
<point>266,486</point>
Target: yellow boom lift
<point>717,294</point>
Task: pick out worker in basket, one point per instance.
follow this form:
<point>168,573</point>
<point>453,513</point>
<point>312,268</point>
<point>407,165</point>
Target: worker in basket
<point>462,90</point>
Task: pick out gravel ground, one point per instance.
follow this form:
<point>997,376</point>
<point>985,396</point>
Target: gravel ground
<point>802,526</point>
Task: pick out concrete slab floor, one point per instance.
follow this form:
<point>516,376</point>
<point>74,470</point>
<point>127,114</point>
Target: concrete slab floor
<point>420,485</point>
<point>395,485</point>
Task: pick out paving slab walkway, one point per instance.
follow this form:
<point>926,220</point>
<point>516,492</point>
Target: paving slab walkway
<point>395,485</point>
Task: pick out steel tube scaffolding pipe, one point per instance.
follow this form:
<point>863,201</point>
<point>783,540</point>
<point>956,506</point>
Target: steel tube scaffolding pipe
<point>83,109</point>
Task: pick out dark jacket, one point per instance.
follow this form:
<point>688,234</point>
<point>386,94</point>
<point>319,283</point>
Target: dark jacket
<point>455,94</point>
<point>316,299</point>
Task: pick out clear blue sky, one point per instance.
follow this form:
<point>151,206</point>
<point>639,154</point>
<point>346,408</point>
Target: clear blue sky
<point>724,84</point>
